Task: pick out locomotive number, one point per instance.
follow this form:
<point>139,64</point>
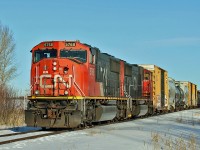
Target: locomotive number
<point>70,44</point>
<point>48,44</point>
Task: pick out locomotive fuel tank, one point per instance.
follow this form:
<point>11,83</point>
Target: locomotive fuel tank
<point>143,110</point>
<point>104,113</point>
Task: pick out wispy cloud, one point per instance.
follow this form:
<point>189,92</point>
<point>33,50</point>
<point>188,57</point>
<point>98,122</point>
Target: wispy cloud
<point>174,41</point>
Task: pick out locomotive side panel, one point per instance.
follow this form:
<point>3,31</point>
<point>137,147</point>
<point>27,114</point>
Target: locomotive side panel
<point>135,85</point>
<point>128,80</point>
<point>140,81</point>
<point>107,73</point>
<point>115,81</point>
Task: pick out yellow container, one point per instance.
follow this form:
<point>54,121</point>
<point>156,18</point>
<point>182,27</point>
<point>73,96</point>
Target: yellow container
<point>159,87</point>
<point>194,94</point>
<point>189,94</point>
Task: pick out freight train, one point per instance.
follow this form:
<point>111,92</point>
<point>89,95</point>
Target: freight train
<point>74,84</point>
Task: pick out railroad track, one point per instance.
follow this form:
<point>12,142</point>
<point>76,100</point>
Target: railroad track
<point>30,137</point>
<point>55,132</point>
<point>66,130</point>
<point>36,136</point>
<point>19,133</point>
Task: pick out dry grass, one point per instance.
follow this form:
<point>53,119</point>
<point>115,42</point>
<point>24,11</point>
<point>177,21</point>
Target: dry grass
<point>93,132</point>
<point>155,139</point>
<point>160,142</point>
<point>180,144</point>
<point>16,118</point>
<point>192,143</point>
<point>11,109</point>
<point>111,128</point>
<point>179,120</point>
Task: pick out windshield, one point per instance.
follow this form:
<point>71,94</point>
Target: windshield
<point>48,53</point>
<point>80,55</point>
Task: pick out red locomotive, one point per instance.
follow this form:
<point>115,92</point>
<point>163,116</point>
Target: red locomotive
<point>75,84</point>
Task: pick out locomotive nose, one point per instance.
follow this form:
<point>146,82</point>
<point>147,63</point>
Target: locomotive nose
<point>52,78</point>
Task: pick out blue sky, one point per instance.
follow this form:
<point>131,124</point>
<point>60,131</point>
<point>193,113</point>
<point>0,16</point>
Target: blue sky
<point>165,33</point>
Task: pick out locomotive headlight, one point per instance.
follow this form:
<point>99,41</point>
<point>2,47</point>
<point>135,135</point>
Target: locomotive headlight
<point>37,92</point>
<point>54,68</point>
<point>54,63</point>
<point>66,93</point>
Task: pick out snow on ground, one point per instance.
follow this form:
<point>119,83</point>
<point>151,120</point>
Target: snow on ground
<point>159,132</point>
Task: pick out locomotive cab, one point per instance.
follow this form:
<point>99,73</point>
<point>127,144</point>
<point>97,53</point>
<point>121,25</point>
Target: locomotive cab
<point>56,66</point>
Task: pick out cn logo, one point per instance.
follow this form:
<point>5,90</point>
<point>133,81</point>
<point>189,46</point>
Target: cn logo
<point>57,78</point>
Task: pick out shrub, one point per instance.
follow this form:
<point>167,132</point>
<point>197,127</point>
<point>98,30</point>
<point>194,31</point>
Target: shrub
<point>11,108</point>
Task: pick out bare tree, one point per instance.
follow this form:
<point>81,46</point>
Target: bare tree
<point>11,108</point>
<point>7,46</point>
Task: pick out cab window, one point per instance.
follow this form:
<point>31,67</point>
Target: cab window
<point>80,55</point>
<point>41,54</point>
<point>146,76</point>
